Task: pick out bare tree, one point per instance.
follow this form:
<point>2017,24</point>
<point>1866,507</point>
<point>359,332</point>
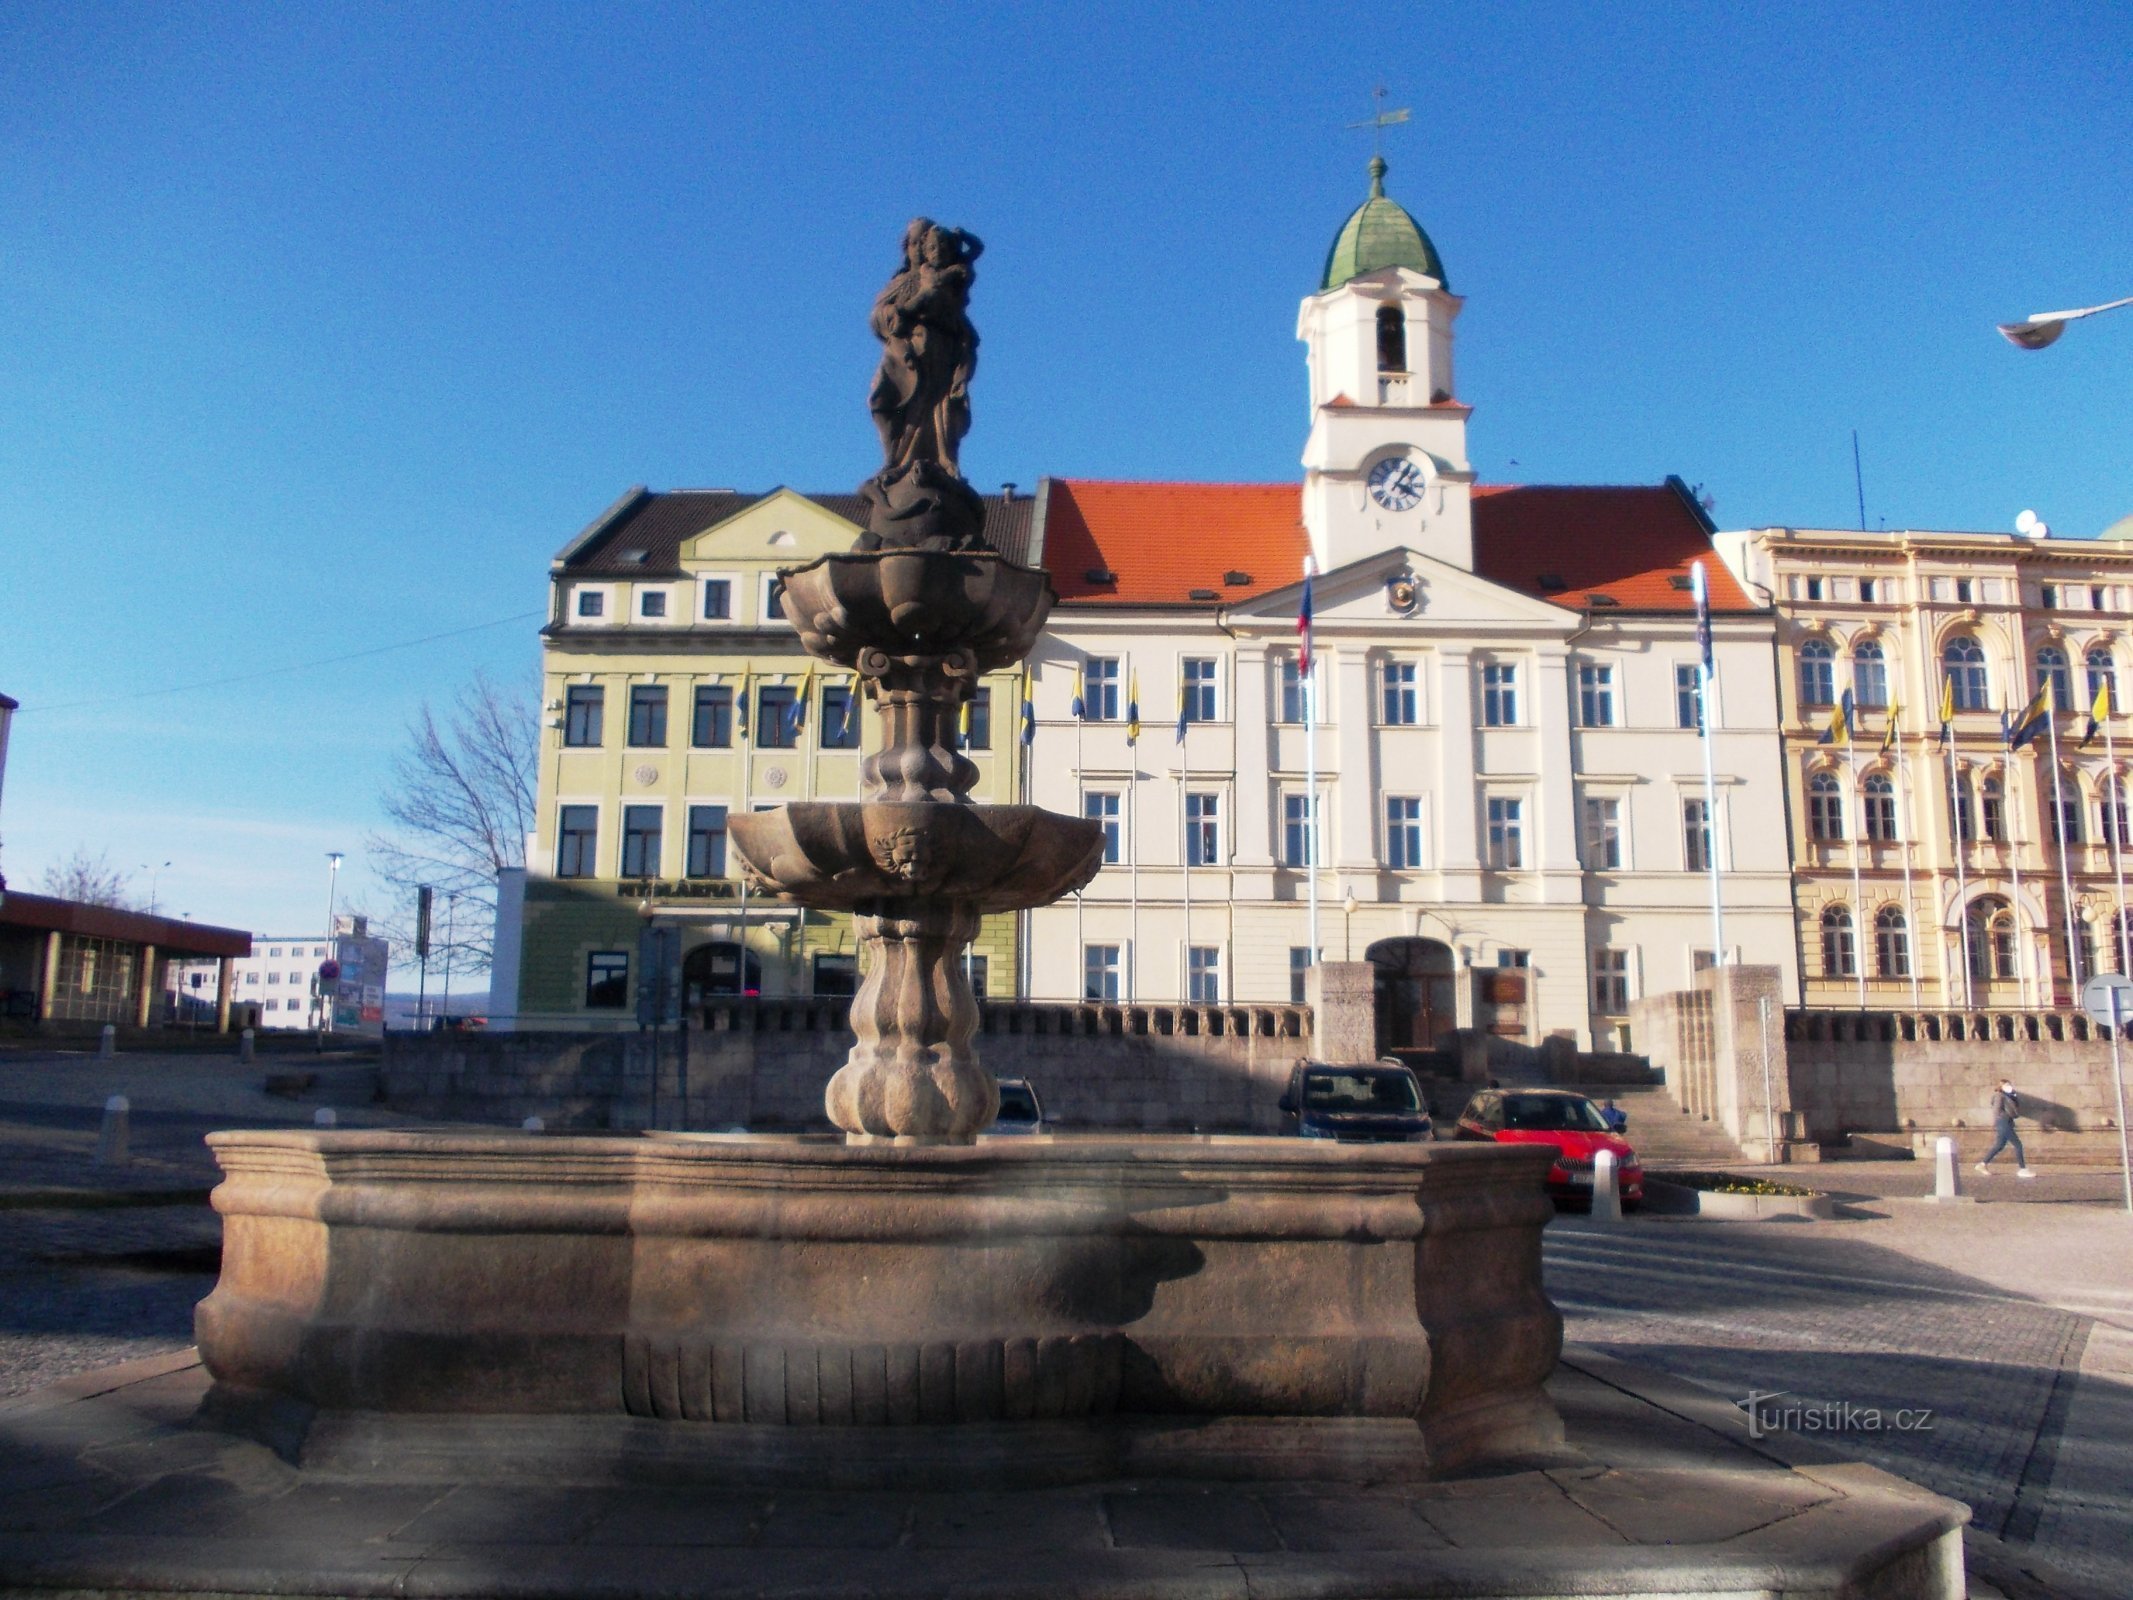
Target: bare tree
<point>462,798</point>
<point>90,880</point>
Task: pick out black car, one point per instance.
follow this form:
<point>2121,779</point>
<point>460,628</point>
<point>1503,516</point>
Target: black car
<point>1381,1104</point>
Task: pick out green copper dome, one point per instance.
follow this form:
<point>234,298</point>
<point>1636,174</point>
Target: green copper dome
<point>1379,235</point>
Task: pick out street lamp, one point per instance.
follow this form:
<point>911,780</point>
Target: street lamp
<point>1347,926</point>
<point>154,872</point>
<point>2035,332</point>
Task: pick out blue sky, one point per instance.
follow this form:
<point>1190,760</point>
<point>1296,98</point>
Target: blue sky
<point>326,326</point>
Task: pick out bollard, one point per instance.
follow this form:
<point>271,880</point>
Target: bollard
<point>107,1043</point>
<point>323,1117</point>
<point>244,1045</point>
<point>1947,1171</point>
<point>111,1138</point>
<point>1606,1188</point>
<point>533,1125</point>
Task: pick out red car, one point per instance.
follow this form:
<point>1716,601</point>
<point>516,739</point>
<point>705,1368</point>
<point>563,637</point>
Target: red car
<point>1570,1122</point>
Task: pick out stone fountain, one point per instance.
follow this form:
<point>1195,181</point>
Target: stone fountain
<point>903,1303</point>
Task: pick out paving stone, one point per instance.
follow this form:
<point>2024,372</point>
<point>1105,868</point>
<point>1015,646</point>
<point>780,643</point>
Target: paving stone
<point>818,1520</point>
<point>1356,1520</point>
<point>337,1512</point>
<point>1063,1519</point>
<point>681,1517</point>
<point>1501,1512</point>
<point>1682,1507</point>
<point>1204,1519</point>
<point>501,1514</point>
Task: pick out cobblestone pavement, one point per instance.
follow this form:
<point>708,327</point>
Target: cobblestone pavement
<point>2011,1324</point>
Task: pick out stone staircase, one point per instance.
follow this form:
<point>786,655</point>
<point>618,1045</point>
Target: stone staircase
<point>1662,1134</point>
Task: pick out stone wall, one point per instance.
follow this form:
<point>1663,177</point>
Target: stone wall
<point>1911,1073</point>
<point>762,1064</point>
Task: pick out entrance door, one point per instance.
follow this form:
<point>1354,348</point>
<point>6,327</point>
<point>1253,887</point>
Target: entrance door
<point>1414,993</point>
<point>711,970</point>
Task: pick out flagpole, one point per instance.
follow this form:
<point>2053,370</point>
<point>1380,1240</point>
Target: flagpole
<point>1851,760</point>
<point>1962,882</point>
<point>1185,839</point>
<point>2118,860</point>
<point>1705,673</point>
<point>1081,722</point>
<point>1310,694</point>
<point>2014,856</point>
<point>1132,825</point>
<point>2059,831</point>
<point>745,729</point>
<point>1904,829</point>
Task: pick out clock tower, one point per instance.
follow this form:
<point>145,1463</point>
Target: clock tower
<point>1386,462</point>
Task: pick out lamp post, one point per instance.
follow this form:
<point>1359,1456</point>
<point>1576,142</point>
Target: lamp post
<point>154,872</point>
<point>333,885</point>
<point>1348,926</point>
<point>2043,328</point>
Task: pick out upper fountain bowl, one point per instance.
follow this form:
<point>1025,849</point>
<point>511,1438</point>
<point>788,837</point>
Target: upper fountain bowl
<point>918,603</point>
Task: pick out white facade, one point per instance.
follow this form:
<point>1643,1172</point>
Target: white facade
<point>278,978</point>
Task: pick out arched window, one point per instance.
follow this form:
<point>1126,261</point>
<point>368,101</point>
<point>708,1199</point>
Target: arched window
<point>2124,940</point>
<point>1839,959</point>
<point>1989,939</point>
<point>2052,673</point>
<point>1964,660</point>
<point>1992,808</point>
<point>1870,675</point>
<point>2062,803</point>
<point>1892,943</point>
<point>2111,819</point>
<point>1818,673</point>
<point>2084,950</point>
<point>1825,807</point>
<point>2103,674</point>
<point>1392,338</point>
<point>1877,800</point>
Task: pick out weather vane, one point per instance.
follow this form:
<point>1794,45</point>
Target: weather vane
<point>1381,119</point>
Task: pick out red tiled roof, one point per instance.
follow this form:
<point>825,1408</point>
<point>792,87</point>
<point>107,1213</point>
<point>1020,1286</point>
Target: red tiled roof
<point>1627,541</point>
<point>1164,540</point>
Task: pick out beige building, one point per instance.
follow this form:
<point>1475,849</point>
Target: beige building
<point>1927,871</point>
<point>675,693</point>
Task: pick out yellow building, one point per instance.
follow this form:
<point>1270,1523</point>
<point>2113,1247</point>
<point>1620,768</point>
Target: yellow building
<point>1930,872</point>
<point>674,694</point>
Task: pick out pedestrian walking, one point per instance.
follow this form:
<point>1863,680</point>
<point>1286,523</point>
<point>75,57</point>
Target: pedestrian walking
<point>2006,1106</point>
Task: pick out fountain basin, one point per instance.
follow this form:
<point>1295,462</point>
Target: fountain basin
<point>917,603</point>
<point>1048,1288</point>
<point>849,853</point>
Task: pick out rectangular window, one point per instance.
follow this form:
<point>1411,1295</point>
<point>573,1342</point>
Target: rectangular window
<point>977,970</point>
<point>1099,972</point>
<point>1292,690</point>
<point>1507,838</point>
<point>1299,973</point>
<point>652,603</point>
<point>592,603</point>
<point>776,717</point>
<point>577,831</point>
<point>773,599</point>
<point>1298,847</point>
<point>1508,957</point>
<point>2065,816</point>
<point>707,842</point>
<point>1814,588</point>
<point>718,599</point>
<point>1402,703</point>
<point>1965,591</point>
<point>1203,974</point>
<point>1963,818</point>
<point>840,717</point>
<point>1197,690</point>
<point>1203,830</point>
<point>1100,686</point>
<point>648,715</point>
<point>1867,590</point>
<point>977,721</point>
<point>836,974</point>
<point>582,707</point>
<point>1603,833</point>
<point>1596,696</point>
<point>1688,695</point>
<point>711,720</point>
<point>1610,981</point>
<point>2097,598</point>
<point>1403,831</point>
<point>607,980</point>
<point>1695,836</point>
<point>2048,594</point>
<point>1102,807</point>
<point>640,841</point>
<point>2112,820</point>
<point>1499,695</point>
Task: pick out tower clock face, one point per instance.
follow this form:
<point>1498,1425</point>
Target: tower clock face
<point>1396,483</point>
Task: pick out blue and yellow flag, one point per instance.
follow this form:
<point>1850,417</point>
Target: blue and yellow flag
<point>1947,711</point>
<point>2035,718</point>
<point>1888,738</point>
<point>1029,711</point>
<point>1081,695</point>
<point>2099,714</point>
<point>800,705</point>
<point>1133,709</point>
<point>1841,722</point>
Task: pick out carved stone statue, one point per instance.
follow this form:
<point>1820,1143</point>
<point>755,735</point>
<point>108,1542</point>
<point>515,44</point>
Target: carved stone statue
<point>920,399</point>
